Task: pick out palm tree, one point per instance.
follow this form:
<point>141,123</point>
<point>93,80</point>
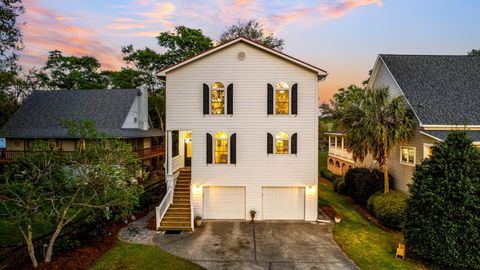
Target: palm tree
<point>374,124</point>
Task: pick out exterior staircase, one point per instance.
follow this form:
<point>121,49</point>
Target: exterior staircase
<point>178,216</point>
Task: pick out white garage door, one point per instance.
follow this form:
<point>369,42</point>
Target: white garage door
<point>283,203</point>
<point>224,202</point>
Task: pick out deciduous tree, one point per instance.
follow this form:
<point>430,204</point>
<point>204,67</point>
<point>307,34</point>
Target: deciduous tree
<point>253,30</point>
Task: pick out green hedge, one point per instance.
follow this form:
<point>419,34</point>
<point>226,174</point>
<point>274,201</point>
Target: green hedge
<point>361,183</point>
<point>389,208</point>
<point>443,214</point>
<point>328,174</point>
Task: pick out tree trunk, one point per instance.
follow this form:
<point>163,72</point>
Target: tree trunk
<point>386,184</point>
<point>30,247</point>
<point>48,255</point>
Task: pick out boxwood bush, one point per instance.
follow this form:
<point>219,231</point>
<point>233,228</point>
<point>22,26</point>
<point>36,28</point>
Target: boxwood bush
<point>361,183</point>
<point>443,214</point>
<point>389,208</point>
<point>328,174</point>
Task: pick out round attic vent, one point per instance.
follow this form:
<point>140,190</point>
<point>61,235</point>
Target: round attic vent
<point>241,56</point>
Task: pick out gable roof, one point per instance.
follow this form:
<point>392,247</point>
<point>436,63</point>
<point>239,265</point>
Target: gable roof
<point>41,115</point>
<point>321,73</point>
<point>441,89</point>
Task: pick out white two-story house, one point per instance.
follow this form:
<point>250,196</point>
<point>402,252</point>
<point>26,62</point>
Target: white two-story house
<point>241,123</point>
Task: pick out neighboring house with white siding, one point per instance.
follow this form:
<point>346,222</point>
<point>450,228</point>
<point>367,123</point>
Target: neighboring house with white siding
<point>444,94</point>
<point>242,118</point>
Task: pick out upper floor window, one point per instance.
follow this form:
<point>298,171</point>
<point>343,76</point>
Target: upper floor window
<point>221,148</point>
<point>407,155</point>
<point>427,150</point>
<point>281,143</point>
<point>282,98</point>
<point>218,98</point>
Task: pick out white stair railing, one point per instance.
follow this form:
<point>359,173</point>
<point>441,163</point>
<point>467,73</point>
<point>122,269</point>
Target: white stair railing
<point>191,210</point>
<point>162,208</point>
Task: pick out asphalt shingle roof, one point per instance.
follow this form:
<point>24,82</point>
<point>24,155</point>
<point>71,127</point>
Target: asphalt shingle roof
<point>41,115</point>
<point>442,90</point>
<point>473,135</point>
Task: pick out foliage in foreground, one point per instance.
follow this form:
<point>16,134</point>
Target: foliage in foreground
<point>361,183</point>
<point>366,244</point>
<point>49,187</point>
<point>131,256</point>
<point>389,208</point>
<point>443,214</point>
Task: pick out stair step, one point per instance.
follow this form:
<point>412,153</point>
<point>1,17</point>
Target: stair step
<point>168,220</point>
<point>177,215</point>
<point>176,224</point>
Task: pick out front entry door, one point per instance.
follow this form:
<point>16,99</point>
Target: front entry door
<point>188,150</point>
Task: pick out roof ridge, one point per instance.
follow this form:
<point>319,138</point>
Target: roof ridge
<point>439,55</point>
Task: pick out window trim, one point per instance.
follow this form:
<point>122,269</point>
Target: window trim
<point>275,144</point>
<point>414,156</point>
<point>215,148</point>
<point>224,89</point>
<point>425,145</point>
<point>289,98</point>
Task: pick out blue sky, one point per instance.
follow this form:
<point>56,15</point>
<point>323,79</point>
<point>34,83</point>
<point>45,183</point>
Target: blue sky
<point>340,36</point>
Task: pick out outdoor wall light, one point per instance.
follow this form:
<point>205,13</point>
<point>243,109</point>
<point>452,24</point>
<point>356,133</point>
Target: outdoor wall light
<point>310,190</point>
<point>197,189</point>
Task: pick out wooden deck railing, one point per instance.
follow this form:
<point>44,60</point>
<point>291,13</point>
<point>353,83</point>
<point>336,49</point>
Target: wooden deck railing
<point>7,156</point>
<point>153,151</point>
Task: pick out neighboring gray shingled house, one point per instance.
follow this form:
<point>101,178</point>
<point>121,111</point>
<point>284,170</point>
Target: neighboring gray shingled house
<point>443,91</point>
<point>119,113</point>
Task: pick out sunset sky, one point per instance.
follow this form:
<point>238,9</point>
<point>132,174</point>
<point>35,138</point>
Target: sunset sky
<point>340,36</point>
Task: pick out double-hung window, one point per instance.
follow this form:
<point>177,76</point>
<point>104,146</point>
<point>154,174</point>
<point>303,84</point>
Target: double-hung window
<point>221,148</point>
<point>281,143</point>
<point>282,98</point>
<point>407,155</point>
<point>217,95</point>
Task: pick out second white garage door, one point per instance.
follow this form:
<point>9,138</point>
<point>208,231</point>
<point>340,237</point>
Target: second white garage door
<point>224,202</point>
<point>287,203</point>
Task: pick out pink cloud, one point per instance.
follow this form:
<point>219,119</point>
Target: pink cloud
<point>340,8</point>
<point>46,31</point>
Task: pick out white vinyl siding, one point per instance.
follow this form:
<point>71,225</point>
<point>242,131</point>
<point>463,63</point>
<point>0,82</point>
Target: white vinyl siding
<point>224,202</point>
<point>283,203</point>
<point>254,168</point>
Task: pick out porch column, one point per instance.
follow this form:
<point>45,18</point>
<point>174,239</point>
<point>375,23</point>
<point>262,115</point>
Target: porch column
<point>342,145</point>
<point>169,152</point>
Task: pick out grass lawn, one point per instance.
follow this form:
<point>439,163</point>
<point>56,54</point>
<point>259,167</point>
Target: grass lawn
<point>366,244</point>
<point>132,256</point>
<point>322,159</point>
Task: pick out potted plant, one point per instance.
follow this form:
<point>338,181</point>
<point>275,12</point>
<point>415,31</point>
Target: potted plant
<point>198,221</point>
<point>252,215</point>
<point>337,218</point>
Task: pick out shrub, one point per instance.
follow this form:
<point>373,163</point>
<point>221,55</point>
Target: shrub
<point>443,213</point>
<point>362,183</point>
<point>335,183</point>
<point>389,208</point>
<point>328,174</point>
<point>340,188</point>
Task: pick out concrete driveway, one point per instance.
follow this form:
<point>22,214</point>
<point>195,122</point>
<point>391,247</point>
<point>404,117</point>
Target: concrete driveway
<point>263,245</point>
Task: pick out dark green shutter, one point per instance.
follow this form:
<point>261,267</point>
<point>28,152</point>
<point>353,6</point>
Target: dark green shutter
<point>294,98</point>
<point>230,99</point>
<point>294,144</point>
<point>233,148</point>
<point>269,99</point>
<point>209,148</point>
<point>269,143</point>
<point>206,99</point>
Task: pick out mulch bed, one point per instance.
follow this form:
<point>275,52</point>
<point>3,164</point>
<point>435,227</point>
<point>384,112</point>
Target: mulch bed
<point>84,256</point>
